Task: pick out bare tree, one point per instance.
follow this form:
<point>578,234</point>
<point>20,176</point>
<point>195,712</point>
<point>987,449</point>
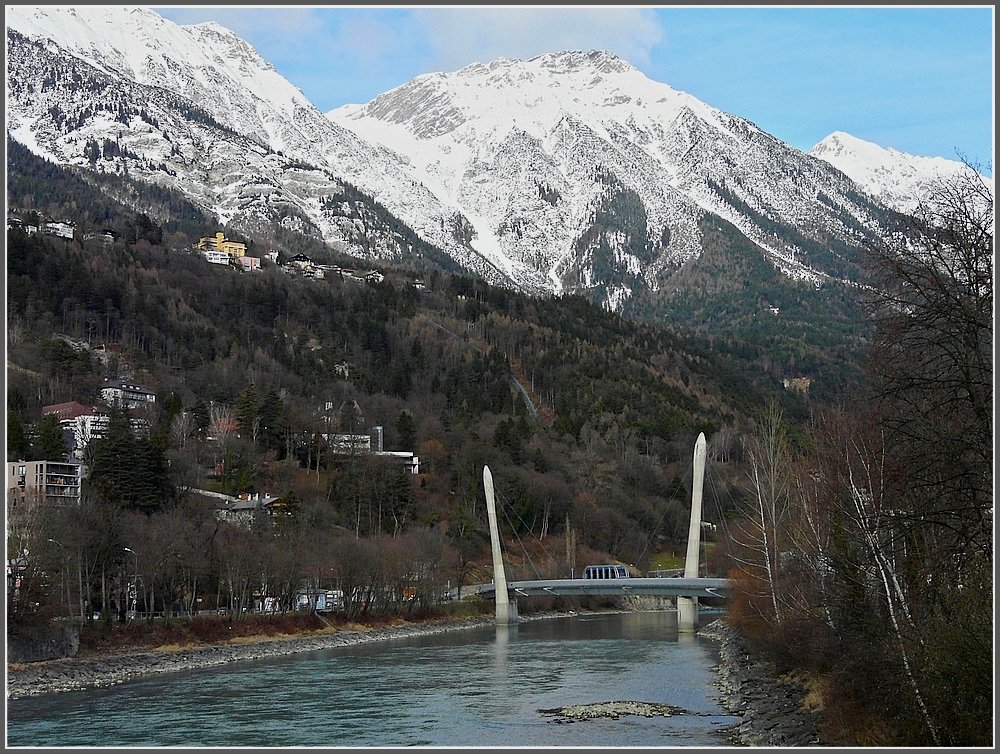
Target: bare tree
<point>765,507</point>
<point>182,429</point>
<point>30,556</point>
<point>222,420</point>
<point>861,500</point>
<point>933,356</point>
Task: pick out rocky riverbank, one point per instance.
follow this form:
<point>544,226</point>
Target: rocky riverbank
<point>772,708</point>
<point>72,673</point>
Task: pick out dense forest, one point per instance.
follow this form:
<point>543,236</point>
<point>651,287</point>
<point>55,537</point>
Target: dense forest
<point>853,538</point>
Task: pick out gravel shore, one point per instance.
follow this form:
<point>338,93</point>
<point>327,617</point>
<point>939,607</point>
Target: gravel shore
<point>71,673</point>
<point>772,709</point>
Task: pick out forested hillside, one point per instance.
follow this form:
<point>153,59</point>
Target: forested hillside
<point>602,448</point>
<point>442,354</point>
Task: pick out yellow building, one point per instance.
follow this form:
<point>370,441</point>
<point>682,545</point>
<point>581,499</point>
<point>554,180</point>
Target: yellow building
<point>220,243</point>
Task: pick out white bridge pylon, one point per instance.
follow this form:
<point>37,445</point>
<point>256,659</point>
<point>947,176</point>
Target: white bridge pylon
<point>687,607</point>
<point>506,610</point>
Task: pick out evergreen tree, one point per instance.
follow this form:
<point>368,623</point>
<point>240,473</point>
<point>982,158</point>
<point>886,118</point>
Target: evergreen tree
<point>170,408</point>
<point>129,472</point>
<point>113,462</point>
<point>152,490</point>
<point>49,443</point>
<point>17,439</point>
<point>248,411</point>
<point>201,419</point>
<point>407,431</point>
<point>271,414</point>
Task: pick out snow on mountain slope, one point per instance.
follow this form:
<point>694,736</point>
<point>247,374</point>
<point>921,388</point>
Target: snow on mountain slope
<point>206,63</point>
<point>571,171</point>
<point>898,179</point>
<point>537,153</point>
<point>210,68</point>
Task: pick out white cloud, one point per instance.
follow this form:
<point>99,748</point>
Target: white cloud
<point>458,36</point>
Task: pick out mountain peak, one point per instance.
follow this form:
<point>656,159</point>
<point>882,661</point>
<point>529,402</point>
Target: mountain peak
<point>604,61</point>
<point>841,143</point>
<point>214,26</point>
<point>899,179</point>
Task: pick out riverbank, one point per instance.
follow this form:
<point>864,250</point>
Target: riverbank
<point>775,710</point>
<point>75,673</point>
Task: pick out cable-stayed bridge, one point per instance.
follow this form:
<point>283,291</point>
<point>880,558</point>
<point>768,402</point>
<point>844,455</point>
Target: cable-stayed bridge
<point>687,589</point>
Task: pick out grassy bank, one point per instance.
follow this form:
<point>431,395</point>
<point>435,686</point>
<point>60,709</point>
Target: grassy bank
<point>100,638</point>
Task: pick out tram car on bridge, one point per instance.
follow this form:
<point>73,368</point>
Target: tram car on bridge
<point>608,571</point>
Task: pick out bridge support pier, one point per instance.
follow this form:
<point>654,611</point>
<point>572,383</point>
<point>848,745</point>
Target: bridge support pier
<point>506,610</point>
<point>687,607</point>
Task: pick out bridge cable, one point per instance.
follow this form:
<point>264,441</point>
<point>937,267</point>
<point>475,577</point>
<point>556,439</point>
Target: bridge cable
<point>723,523</point>
<point>513,528</point>
<point>504,550</point>
<point>659,523</point>
<point>503,508</point>
<point>524,523</point>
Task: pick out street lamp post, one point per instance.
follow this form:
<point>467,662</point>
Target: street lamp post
<point>135,584</point>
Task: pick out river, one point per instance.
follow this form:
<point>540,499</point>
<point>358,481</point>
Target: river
<point>482,687</point>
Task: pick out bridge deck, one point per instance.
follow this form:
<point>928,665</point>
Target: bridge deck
<point>652,587</point>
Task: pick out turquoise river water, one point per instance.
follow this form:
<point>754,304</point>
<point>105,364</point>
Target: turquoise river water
<point>482,687</point>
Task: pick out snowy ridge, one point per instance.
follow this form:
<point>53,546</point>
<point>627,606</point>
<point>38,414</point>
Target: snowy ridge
<point>898,179</point>
<point>529,147</point>
<point>211,68</point>
<point>568,172</point>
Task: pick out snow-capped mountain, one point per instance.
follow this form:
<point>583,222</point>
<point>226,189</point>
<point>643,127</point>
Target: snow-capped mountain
<point>579,166</point>
<point>898,179</point>
<point>197,109</point>
<point>570,171</point>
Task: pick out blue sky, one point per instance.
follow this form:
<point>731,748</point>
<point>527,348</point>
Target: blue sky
<point>918,79</point>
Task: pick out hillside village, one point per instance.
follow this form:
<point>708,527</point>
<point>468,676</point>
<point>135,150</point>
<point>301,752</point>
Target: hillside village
<point>62,480</point>
<point>216,249</point>
<point>59,480</point>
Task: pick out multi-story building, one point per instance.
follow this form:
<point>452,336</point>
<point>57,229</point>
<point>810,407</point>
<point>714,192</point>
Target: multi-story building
<point>13,221</point>
<point>68,410</point>
<point>51,482</point>
<point>126,395</point>
<point>219,242</point>
<point>371,445</point>
<point>405,458</point>
<point>216,257</point>
<point>57,228</point>
<point>82,424</point>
